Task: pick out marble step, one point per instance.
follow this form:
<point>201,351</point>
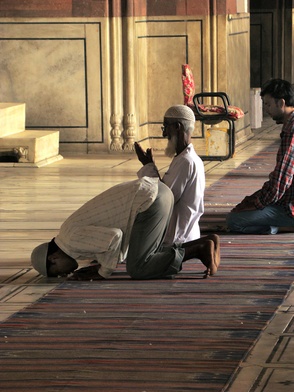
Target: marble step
<point>35,147</point>
<point>12,118</point>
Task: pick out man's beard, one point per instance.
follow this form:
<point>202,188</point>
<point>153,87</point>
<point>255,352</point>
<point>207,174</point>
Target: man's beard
<point>170,150</point>
<point>278,119</point>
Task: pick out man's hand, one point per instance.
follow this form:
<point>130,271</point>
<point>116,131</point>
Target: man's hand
<point>143,156</point>
<point>87,273</point>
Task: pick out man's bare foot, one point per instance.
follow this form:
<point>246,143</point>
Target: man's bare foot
<point>193,247</point>
<point>205,252</point>
<point>216,240</point>
<point>87,273</point>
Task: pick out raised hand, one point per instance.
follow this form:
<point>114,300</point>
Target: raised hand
<point>143,156</point>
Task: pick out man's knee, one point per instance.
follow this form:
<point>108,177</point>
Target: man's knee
<point>236,222</point>
<point>231,221</point>
<point>135,272</point>
<point>165,198</point>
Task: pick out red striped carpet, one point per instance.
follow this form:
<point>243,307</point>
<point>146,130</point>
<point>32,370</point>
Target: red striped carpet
<point>185,334</point>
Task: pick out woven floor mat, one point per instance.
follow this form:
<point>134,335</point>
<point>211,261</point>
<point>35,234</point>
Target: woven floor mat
<point>182,334</point>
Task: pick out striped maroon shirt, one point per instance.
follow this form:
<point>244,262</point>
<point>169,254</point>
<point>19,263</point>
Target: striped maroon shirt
<point>279,189</point>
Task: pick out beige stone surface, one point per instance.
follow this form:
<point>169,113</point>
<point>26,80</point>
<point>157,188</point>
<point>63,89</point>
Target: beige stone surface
<point>12,118</point>
<point>55,67</point>
<point>41,145</point>
<point>217,141</point>
<point>106,83</point>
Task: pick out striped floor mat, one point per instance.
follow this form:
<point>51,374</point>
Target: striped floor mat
<point>183,334</point>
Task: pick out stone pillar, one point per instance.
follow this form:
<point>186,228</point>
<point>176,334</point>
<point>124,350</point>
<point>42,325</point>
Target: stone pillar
<point>213,48</point>
<point>116,77</point>
<point>130,123</point>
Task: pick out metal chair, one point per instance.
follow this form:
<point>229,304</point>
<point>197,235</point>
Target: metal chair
<point>211,114</point>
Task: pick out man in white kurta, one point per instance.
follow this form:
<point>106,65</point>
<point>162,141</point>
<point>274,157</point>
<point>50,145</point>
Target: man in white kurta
<point>185,176</point>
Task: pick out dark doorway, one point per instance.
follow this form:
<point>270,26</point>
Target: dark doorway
<point>270,40</point>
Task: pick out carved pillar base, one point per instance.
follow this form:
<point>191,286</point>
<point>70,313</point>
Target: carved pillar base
<point>14,154</point>
<point>130,132</point>
<point>22,153</point>
<point>116,139</point>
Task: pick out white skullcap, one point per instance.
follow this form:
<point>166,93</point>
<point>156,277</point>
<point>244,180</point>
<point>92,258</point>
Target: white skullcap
<point>39,258</point>
<point>180,112</point>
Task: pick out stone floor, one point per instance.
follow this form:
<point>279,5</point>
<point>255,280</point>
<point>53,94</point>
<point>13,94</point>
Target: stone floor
<point>27,194</point>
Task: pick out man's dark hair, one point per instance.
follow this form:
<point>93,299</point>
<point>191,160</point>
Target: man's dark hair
<point>279,89</point>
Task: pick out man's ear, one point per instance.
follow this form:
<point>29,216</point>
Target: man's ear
<point>281,102</point>
<point>181,130</point>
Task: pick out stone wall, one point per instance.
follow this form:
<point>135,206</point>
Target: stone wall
<point>104,72</point>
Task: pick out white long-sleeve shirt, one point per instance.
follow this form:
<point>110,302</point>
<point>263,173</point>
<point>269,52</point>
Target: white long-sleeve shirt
<point>186,179</point>
<point>100,229</point>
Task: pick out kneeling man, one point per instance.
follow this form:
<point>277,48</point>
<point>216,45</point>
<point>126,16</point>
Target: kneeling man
<point>126,222</point>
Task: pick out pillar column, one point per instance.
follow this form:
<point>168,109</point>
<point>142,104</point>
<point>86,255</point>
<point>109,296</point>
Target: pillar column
<point>130,121</point>
<point>116,118</point>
